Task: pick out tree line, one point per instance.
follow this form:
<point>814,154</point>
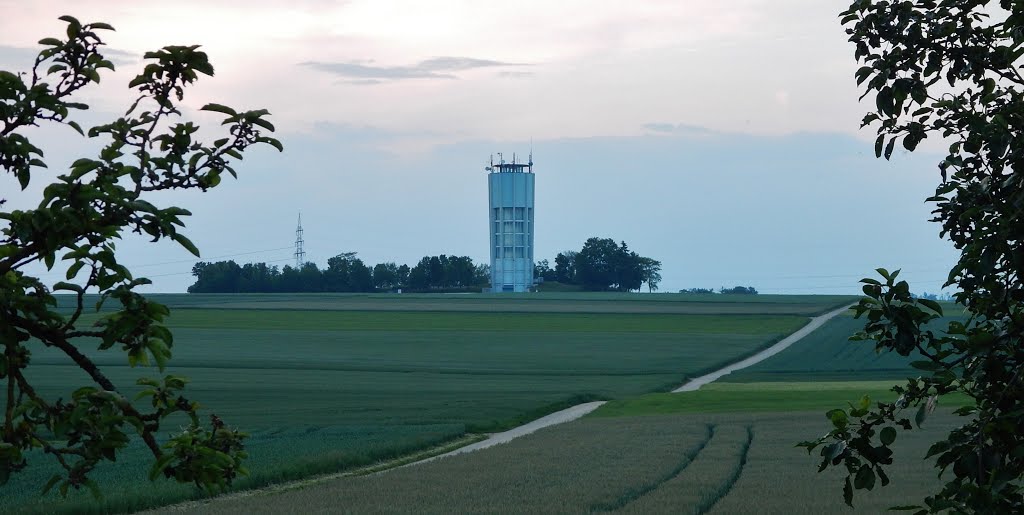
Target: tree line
<point>735,290</point>
<point>344,273</point>
<point>602,265</point>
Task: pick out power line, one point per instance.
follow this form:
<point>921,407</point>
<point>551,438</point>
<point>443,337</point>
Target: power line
<point>194,260</point>
<point>190,272</point>
<point>211,257</point>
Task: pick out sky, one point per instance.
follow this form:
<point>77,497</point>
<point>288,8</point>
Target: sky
<point>720,138</point>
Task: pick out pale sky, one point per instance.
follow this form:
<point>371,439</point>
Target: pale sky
<point>718,137</point>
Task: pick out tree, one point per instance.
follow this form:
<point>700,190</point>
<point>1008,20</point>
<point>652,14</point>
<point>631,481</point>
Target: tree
<point>403,275</point>
<point>603,265</point>
<point>738,290</point>
<point>482,275</point>
<point>596,264</point>
<point>80,215</point>
<point>565,267</point>
<point>339,269</point>
<point>310,278</point>
<point>219,277</point>
<point>628,271</point>
<point>385,276</point>
<point>949,69</point>
<point>360,277</point>
<point>650,273</point>
<point>543,270</point>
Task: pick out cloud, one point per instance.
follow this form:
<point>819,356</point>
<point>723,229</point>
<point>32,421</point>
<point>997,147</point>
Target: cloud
<point>119,57</point>
<point>365,72</point>
<point>22,57</point>
<point>516,74</point>
<point>678,128</point>
<point>18,58</point>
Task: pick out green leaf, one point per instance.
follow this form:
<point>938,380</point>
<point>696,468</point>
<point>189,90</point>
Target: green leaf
<point>834,450</point>
<point>864,403</point>
<point>159,466</point>
<point>50,484</point>
<point>63,286</point>
<point>51,42</point>
<point>938,448</point>
<point>74,125</point>
<point>889,147</point>
<point>263,123</point>
<point>74,268</point>
<point>217,108</point>
<point>932,305</point>
<point>922,413</point>
<point>879,142</point>
<point>865,479</point>
<point>94,489</point>
<point>882,476</point>
<point>187,243</point>
<point>888,435</point>
<point>838,418</point>
<point>848,493</point>
<point>101,26</point>
<point>274,143</point>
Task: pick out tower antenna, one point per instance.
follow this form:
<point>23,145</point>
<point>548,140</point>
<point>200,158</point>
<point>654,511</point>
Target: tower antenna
<point>300,254</point>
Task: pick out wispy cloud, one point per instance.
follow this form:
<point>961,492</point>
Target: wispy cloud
<point>676,128</point>
<point>365,72</point>
<point>515,74</point>
<point>23,57</point>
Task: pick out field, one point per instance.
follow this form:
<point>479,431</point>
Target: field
<point>727,448</point>
<point>678,463</point>
<point>330,382</point>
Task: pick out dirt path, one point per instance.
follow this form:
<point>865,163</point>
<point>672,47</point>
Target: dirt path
<point>816,322</point>
<point>558,417</point>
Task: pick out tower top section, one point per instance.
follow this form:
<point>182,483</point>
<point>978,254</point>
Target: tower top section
<point>514,167</point>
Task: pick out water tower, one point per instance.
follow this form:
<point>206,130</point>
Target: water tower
<point>510,187</point>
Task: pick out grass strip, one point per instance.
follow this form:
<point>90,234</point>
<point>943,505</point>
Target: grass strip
<point>757,397</point>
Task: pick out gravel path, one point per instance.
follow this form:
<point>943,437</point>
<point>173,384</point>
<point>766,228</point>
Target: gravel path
<point>816,322</point>
<point>558,417</point>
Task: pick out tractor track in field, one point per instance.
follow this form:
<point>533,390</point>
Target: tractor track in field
<point>558,417</point>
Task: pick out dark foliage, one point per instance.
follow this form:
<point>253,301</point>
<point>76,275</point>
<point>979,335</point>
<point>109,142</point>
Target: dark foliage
<point>948,69</point>
<point>78,219</point>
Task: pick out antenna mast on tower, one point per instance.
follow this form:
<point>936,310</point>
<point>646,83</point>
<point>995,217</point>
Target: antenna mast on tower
<point>300,254</point>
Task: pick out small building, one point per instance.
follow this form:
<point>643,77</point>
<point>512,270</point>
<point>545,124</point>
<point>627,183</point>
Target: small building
<point>510,188</point>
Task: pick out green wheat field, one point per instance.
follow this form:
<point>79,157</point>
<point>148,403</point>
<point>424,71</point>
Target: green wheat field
<point>332,383</point>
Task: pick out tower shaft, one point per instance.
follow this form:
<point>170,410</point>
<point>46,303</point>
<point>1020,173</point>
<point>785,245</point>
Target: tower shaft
<point>300,253</point>
<point>510,190</point>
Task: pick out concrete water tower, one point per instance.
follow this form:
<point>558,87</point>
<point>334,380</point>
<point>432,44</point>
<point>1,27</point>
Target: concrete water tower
<point>510,187</point>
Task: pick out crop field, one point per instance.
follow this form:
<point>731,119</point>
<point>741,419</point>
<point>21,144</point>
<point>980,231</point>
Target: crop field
<point>677,463</point>
<point>327,383</point>
<point>726,448</point>
<point>827,354</point>
<point>603,302</point>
